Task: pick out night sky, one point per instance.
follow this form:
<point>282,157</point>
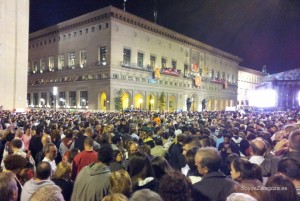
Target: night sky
<point>262,32</point>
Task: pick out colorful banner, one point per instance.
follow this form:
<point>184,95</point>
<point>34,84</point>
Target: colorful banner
<point>195,68</point>
<point>156,73</point>
<point>198,81</point>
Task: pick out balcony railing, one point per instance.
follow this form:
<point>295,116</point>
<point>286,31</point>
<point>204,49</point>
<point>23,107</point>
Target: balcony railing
<point>136,66</point>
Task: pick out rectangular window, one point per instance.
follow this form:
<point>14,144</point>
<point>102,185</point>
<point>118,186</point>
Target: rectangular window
<point>228,77</point>
<point>140,60</point>
<point>83,98</point>
<point>102,55</point>
<point>43,100</point>
<point>223,76</point>
<point>126,56</point>
<point>28,99</point>
<point>152,61</point>
<point>72,60</point>
<point>83,58</point>
<point>35,99</point>
<point>163,62</point>
<point>72,98</point>
<point>233,79</point>
<point>185,69</point>
<point>34,66</point>
<point>42,65</point>
<point>51,64</point>
<point>174,64</point>
<point>218,75</point>
<point>61,62</point>
<point>62,98</point>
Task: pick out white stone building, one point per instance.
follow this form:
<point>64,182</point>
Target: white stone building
<point>248,80</point>
<point>91,57</point>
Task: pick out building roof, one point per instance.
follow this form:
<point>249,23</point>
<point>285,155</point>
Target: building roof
<point>286,75</point>
<point>252,71</point>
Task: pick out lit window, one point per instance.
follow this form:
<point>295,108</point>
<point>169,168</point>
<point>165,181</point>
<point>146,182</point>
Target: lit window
<point>163,62</point>
<point>61,62</point>
<point>102,55</point>
<point>51,64</point>
<point>72,60</point>
<point>140,60</point>
<point>126,56</point>
<point>152,61</point>
<point>83,58</point>
<point>42,65</point>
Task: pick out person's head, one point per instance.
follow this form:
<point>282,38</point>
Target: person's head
<point>190,157</point>
<point>88,131</point>
<point>118,156</point>
<point>242,169</point>
<point>207,160</point>
<point>294,141</point>
<point>105,154</point>
<point>139,167</point>
<point>160,167</point>
<point>16,144</point>
<point>88,143</point>
<point>72,154</point>
<point>258,147</point>
<point>285,189</point>
<point>175,186</point>
<point>15,163</point>
<point>227,138</point>
<point>133,148</point>
<point>240,197</point>
<point>63,171</point>
<point>290,168</point>
<point>47,193</point>
<point>46,139</point>
<point>145,194</point>
<point>115,197</point>
<point>120,182</point>
<point>8,187</point>
<point>43,170</point>
<point>188,143</point>
<point>50,151</point>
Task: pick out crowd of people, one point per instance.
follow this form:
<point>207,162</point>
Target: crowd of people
<point>160,156</point>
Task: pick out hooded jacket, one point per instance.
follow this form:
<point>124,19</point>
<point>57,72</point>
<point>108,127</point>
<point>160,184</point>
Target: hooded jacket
<point>32,186</point>
<point>92,183</point>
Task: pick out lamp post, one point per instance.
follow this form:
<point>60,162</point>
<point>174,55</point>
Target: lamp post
<point>55,90</point>
<point>140,102</point>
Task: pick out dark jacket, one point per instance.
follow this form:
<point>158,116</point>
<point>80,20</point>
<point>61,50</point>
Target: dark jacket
<point>175,151</point>
<point>66,187</point>
<point>79,142</point>
<point>214,186</point>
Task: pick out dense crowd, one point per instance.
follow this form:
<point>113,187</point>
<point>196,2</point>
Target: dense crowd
<point>159,156</point>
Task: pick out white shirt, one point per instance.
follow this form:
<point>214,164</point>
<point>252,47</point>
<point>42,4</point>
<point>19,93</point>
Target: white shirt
<point>257,159</point>
<point>52,164</point>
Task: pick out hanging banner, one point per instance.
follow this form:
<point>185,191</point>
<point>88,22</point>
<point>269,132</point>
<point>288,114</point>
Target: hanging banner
<point>198,81</point>
<point>156,73</point>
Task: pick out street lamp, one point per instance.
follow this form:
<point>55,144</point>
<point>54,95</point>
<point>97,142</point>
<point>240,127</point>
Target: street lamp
<point>55,91</point>
<point>140,102</point>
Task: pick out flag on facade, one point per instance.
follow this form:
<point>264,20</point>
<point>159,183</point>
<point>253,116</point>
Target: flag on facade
<point>156,73</point>
<point>198,81</point>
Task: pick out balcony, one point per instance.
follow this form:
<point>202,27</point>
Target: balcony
<point>126,64</point>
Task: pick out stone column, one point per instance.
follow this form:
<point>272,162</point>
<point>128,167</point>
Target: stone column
<point>14,34</point>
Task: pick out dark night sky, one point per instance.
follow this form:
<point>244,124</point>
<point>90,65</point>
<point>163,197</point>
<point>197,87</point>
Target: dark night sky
<point>262,32</point>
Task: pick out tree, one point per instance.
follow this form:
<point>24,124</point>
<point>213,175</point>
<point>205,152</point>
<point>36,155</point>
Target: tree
<point>118,100</point>
<point>162,101</point>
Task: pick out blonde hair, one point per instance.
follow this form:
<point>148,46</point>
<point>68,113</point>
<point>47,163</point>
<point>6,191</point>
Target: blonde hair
<point>63,168</point>
<point>115,197</point>
<point>120,182</point>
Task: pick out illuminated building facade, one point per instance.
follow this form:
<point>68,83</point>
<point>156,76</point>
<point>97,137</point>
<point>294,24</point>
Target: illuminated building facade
<point>92,57</point>
<point>248,80</point>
